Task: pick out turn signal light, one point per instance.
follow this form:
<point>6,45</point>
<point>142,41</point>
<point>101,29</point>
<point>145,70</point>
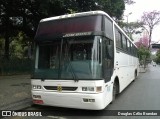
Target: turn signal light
<point>99,89</point>
<point>37,96</point>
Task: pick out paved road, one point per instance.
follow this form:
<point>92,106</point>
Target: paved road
<point>14,92</point>
<point>142,94</point>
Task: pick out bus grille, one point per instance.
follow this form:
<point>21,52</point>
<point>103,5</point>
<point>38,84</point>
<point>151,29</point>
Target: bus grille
<point>63,88</point>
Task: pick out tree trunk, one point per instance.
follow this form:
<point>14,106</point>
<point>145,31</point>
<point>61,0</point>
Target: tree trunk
<point>150,36</point>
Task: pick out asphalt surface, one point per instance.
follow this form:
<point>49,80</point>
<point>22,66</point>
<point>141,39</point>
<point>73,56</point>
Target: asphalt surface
<point>142,94</point>
<point>15,92</point>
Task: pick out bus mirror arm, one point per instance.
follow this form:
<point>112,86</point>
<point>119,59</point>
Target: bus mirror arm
<point>42,79</point>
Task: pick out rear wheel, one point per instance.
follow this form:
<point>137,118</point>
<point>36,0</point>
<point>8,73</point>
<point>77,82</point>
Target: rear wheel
<point>135,75</point>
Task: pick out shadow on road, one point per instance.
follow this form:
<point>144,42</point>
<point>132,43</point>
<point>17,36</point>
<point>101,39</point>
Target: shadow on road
<point>58,111</point>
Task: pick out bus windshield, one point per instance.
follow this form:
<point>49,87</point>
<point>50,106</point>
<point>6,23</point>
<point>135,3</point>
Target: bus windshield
<point>69,58</point>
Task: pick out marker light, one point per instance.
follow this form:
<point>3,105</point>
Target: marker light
<point>88,100</point>
<point>36,87</point>
<point>37,96</point>
<point>98,88</point>
<point>87,88</point>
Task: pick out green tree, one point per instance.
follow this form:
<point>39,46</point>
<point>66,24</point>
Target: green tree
<point>131,28</point>
<point>24,15</point>
<point>157,59</point>
<point>149,20</point>
<point>19,46</point>
<point>114,8</point>
<point>143,54</point>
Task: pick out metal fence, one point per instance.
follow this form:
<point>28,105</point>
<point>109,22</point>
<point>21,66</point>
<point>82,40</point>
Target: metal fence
<point>15,66</point>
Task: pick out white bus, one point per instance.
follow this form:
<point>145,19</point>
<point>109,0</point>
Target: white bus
<point>82,60</point>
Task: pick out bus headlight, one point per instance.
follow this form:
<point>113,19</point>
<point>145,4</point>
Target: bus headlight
<point>36,87</point>
<point>87,88</point>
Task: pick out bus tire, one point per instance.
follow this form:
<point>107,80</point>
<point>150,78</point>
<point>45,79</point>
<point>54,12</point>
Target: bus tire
<point>135,75</point>
<point>114,92</point>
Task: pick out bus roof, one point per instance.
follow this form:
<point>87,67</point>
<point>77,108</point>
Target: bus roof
<point>76,15</point>
<point>81,14</point>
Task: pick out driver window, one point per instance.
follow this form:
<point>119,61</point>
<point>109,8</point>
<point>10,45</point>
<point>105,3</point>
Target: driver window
<point>108,58</point>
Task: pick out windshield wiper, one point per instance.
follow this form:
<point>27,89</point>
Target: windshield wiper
<point>70,65</point>
<point>73,73</point>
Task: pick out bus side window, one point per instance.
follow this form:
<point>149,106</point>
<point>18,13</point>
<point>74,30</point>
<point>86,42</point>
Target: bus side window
<point>108,59</point>
<point>108,28</point>
<point>118,36</point>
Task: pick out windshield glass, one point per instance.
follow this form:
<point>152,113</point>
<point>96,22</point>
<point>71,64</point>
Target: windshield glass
<point>48,30</point>
<point>69,58</point>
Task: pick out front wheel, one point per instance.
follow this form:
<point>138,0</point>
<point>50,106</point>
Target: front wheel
<point>114,92</point>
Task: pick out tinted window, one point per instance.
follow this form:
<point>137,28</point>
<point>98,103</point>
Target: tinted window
<point>128,46</point>
<point>118,38</point>
<point>124,42</point>
<point>70,25</point>
<point>69,58</point>
<point>131,48</point>
<point>108,59</point>
<point>108,28</point>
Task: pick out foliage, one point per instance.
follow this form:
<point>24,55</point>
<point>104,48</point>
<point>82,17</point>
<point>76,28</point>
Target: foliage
<point>143,51</point>
<point>144,41</point>
<point>19,46</point>
<point>157,59</point>
<point>131,28</point>
<point>24,15</point>
<point>149,20</point>
<point>143,54</point>
<point>113,7</point>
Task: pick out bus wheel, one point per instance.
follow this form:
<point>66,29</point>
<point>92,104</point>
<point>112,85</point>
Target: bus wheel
<point>114,92</point>
<point>135,75</point>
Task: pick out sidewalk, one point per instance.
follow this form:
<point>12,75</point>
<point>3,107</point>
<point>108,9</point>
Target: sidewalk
<point>15,92</point>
